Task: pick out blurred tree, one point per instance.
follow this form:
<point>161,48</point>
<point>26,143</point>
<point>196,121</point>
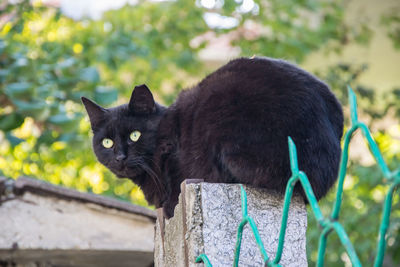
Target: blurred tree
<point>391,20</point>
<point>365,188</point>
<point>48,61</point>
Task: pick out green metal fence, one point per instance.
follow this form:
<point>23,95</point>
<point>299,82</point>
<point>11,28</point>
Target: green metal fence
<point>330,224</point>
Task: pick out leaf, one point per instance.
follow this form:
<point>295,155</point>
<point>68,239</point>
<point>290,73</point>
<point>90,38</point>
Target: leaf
<point>36,109</point>
<point>21,62</point>
<point>46,138</point>
<point>55,108</point>
<point>67,138</point>
<point>17,89</point>
<point>65,122</point>
<point>14,141</point>
<point>105,95</point>
<point>76,96</point>
<point>90,75</point>
<point>3,74</point>
<point>44,91</point>
<point>69,62</point>
<point>11,121</point>
<point>3,45</point>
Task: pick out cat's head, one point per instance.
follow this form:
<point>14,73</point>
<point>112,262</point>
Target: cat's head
<point>124,137</point>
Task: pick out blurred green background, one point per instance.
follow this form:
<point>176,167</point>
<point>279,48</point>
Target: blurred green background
<point>48,60</point>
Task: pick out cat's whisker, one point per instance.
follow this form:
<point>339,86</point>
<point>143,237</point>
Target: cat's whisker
<point>154,164</point>
<point>141,163</point>
<point>154,177</point>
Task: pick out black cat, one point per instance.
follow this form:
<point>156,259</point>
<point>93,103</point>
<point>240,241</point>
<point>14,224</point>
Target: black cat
<point>230,128</point>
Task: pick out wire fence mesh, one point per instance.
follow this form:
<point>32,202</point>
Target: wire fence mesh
<point>328,224</point>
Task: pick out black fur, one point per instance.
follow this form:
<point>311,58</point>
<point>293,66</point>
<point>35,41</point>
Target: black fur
<point>232,128</point>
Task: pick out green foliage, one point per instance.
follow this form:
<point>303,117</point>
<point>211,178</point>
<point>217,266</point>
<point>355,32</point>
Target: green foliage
<point>391,20</point>
<point>364,192</point>
<point>48,61</point>
<point>364,188</point>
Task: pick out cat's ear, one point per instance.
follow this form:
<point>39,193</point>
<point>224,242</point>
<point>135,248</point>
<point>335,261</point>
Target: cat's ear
<point>142,101</point>
<point>95,112</point>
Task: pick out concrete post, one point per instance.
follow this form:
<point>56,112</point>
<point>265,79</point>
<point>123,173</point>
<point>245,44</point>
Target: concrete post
<point>206,221</point>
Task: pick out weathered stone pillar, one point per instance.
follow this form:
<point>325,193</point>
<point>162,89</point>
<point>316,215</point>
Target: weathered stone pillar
<point>206,221</point>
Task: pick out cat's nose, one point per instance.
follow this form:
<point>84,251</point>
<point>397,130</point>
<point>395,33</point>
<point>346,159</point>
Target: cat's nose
<point>120,157</point>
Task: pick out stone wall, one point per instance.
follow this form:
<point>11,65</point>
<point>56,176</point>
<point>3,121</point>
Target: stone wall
<point>206,221</point>
<point>46,225</point>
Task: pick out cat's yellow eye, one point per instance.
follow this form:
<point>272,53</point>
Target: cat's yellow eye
<point>135,135</point>
<point>107,143</point>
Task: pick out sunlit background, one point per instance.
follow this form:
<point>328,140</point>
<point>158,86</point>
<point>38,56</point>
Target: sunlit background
<point>54,52</point>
